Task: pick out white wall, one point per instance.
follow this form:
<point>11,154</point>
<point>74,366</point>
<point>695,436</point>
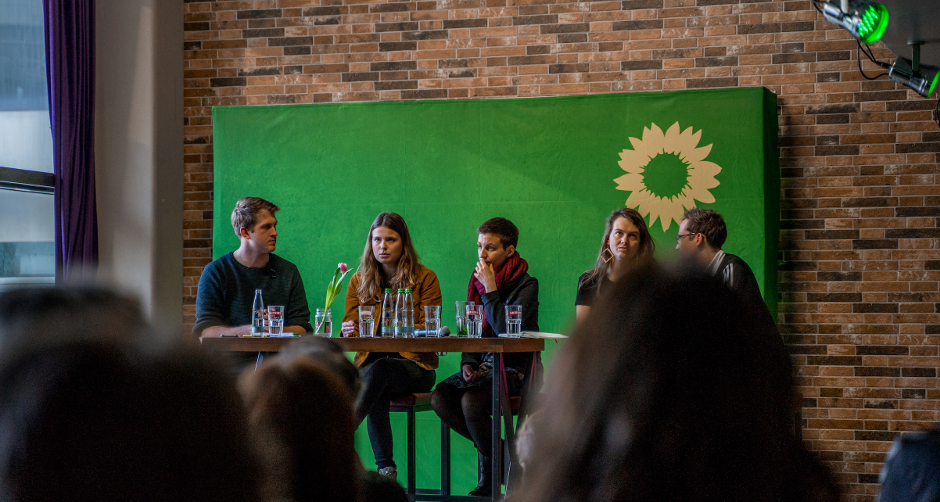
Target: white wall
<point>139,152</point>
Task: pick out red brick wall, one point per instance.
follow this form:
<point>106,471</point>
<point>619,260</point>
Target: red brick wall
<point>860,203</point>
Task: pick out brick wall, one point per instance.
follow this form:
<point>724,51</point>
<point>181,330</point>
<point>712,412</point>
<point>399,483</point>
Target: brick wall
<point>860,203</point>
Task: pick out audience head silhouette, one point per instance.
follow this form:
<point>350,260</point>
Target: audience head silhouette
<point>303,416</point>
<point>669,392</point>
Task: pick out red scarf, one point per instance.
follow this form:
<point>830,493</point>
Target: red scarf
<point>506,280</point>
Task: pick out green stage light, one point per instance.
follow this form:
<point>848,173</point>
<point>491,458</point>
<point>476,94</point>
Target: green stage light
<point>866,21</point>
<point>933,83</point>
<point>873,24</point>
<point>923,81</point>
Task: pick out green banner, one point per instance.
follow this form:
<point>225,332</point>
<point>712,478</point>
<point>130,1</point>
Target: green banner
<point>554,166</point>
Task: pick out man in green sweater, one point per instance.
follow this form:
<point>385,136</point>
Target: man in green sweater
<point>227,286</point>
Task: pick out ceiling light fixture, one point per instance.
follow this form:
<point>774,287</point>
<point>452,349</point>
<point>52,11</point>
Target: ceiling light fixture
<point>866,21</point>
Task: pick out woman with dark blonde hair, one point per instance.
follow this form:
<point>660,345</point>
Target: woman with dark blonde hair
<point>389,260</point>
<point>626,245</point>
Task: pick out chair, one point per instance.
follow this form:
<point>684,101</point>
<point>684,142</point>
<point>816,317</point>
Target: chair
<point>410,404</point>
<point>413,403</point>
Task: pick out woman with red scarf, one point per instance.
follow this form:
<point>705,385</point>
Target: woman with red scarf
<point>463,400</point>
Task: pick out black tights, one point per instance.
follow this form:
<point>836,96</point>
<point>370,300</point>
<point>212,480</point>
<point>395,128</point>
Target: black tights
<point>466,411</point>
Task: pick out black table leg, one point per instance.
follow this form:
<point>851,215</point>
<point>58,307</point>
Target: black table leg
<point>496,451</point>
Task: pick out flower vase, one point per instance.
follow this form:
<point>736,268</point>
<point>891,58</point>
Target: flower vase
<point>323,323</point>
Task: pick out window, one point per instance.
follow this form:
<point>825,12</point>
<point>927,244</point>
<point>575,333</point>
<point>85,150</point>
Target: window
<point>27,248</point>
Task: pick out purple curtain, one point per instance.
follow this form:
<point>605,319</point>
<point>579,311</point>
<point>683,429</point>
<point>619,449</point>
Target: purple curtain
<point>70,75</point>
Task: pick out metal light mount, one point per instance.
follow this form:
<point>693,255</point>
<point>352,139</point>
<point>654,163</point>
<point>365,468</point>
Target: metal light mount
<point>921,78</point>
<point>866,21</point>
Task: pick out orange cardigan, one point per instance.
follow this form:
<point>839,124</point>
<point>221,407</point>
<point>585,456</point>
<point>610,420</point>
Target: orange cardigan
<point>426,291</point>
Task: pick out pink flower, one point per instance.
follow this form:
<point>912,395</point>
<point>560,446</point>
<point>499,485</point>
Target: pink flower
<point>343,268</point>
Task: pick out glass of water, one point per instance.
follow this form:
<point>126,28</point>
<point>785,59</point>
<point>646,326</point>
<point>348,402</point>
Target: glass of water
<point>462,318</point>
<point>323,323</point>
<point>275,320</point>
<point>367,320</point>
<point>514,321</point>
<point>432,319</point>
<point>474,320</point>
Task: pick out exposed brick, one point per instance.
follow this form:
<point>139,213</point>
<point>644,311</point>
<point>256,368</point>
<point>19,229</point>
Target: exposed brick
<point>879,308</point>
<point>396,85</point>
<point>565,28</point>
<point>875,436</point>
<point>382,27</point>
<point>875,244</point>
<point>424,94</point>
<point>543,19</point>
<point>569,68</point>
<point>424,35</point>
<point>858,265</point>
<point>322,11</point>
<point>228,82</point>
<point>297,50</point>
<point>641,4</point>
<point>641,65</point>
<point>450,24</point>
<point>263,33</point>
<point>258,14</point>
<point>283,41</point>
<point>702,83</point>
<point>393,66</point>
<point>881,350</point>
<point>708,62</point>
<point>644,24</point>
<point>398,46</point>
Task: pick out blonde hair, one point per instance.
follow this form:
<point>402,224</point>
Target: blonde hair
<point>247,210</point>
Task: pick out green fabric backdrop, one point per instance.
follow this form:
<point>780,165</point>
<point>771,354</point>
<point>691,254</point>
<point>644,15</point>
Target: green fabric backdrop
<point>547,164</point>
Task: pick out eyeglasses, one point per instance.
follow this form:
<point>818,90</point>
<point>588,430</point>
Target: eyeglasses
<point>683,236</point>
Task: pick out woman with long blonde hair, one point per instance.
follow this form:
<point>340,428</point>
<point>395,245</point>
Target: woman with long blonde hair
<point>389,260</point>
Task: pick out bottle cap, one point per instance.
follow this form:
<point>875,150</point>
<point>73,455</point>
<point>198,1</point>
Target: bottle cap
<point>401,290</point>
<point>408,290</point>
<point>388,290</point>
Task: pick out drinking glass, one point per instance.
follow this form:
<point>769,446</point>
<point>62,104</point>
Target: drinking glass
<point>323,323</point>
<point>275,320</point>
<point>462,318</point>
<point>366,320</point>
<point>514,321</point>
<point>474,320</point>
<point>432,320</point>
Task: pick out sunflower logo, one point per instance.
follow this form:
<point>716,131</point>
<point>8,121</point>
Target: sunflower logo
<point>667,173</point>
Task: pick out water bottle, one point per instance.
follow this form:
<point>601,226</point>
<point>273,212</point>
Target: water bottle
<point>405,319</point>
<point>388,315</point>
<point>257,315</point>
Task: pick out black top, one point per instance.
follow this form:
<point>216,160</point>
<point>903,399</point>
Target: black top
<point>227,290</point>
<point>587,290</point>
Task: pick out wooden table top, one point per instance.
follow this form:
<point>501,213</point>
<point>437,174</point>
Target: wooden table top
<point>356,344</point>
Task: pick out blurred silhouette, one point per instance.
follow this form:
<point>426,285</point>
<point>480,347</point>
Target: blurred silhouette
<point>86,419</point>
<point>670,390</point>
<point>912,468</point>
<point>303,417</point>
<point>36,314</point>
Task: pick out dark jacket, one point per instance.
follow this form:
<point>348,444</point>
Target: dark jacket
<point>525,294</point>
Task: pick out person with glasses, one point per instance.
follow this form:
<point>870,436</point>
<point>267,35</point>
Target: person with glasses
<point>702,232</point>
<point>627,245</point>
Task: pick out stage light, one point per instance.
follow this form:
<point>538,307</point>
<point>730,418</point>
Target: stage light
<point>922,81</point>
<point>866,21</point>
